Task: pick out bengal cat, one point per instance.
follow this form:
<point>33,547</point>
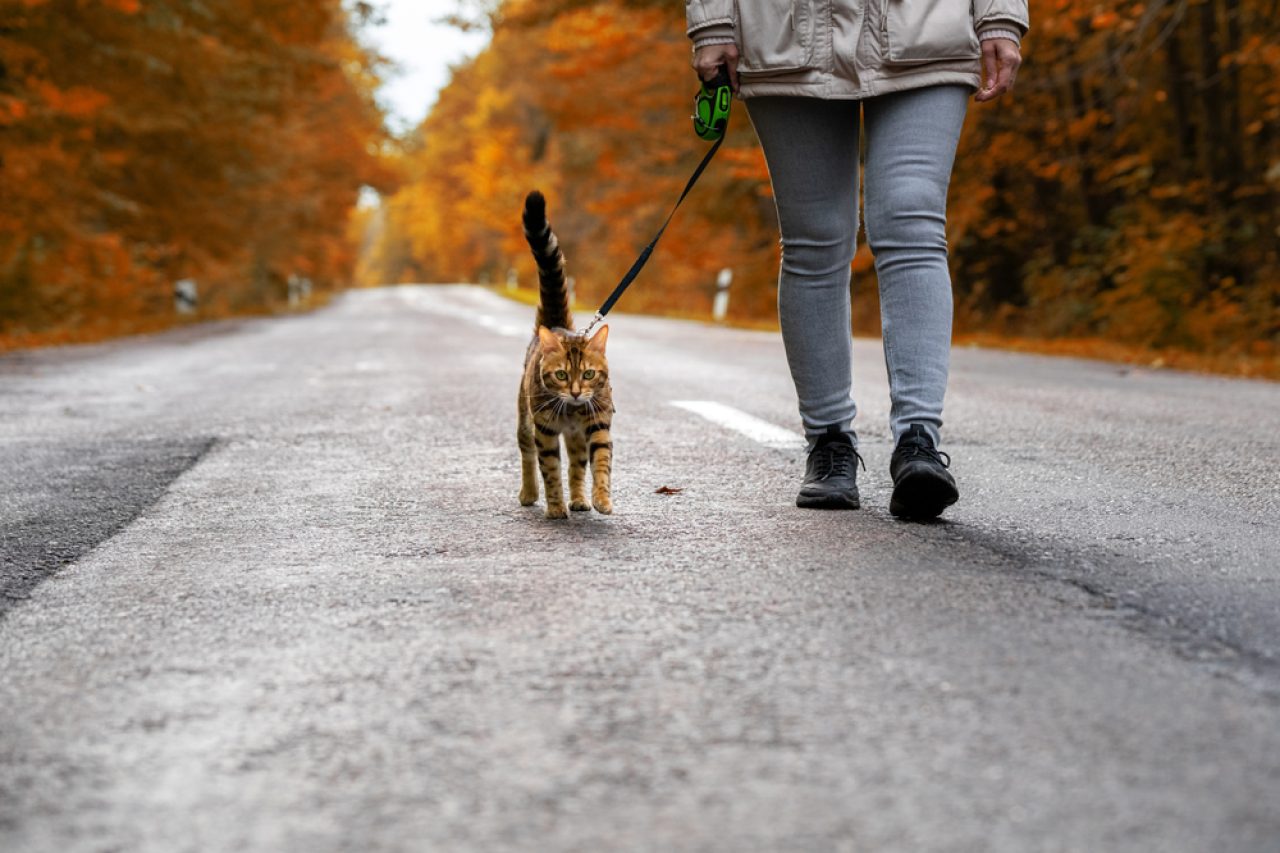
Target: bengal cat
<point>565,389</point>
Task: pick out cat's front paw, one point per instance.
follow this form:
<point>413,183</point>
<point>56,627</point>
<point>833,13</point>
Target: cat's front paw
<point>528,498</point>
<point>557,511</point>
<point>579,505</point>
<point>603,504</point>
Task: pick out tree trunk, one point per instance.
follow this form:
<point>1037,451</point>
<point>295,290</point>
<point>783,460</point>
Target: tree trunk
<point>1184,131</point>
<point>1095,206</point>
<point>1232,94</point>
<point>1213,128</point>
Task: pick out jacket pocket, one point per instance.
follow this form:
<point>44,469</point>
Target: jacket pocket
<point>929,31</point>
<point>774,35</point>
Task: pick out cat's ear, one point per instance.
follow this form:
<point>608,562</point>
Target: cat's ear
<point>597,342</point>
<point>550,340</point>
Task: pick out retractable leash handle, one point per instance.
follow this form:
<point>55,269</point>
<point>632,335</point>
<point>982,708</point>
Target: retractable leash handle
<point>710,118</point>
<point>711,105</point>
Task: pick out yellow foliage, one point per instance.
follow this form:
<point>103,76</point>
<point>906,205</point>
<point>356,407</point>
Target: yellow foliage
<point>226,144</point>
<point>1127,190</point>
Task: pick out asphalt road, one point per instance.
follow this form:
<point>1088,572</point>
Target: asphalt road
<point>266,586</point>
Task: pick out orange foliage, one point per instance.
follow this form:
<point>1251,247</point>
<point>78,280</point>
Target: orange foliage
<point>1132,166</point>
<point>595,102</point>
<point>1129,190</point>
<point>142,143</point>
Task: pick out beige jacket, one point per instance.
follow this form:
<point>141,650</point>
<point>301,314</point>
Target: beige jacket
<point>853,48</point>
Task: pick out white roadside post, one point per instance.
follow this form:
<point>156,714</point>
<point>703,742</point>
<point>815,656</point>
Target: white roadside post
<point>299,290</point>
<point>570,284</point>
<point>720,308</point>
<point>513,279</point>
<point>185,298</point>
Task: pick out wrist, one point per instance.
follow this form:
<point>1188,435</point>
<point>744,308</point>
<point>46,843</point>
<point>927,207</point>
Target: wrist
<point>713,34</point>
<point>1000,32</point>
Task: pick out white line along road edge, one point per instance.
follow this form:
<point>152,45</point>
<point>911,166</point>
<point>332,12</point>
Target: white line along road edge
<point>444,300</point>
<point>759,431</point>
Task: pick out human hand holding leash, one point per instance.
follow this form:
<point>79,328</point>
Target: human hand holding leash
<point>707,61</point>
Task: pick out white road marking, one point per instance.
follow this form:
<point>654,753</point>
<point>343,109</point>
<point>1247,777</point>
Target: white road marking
<point>434,300</point>
<point>510,330</point>
<point>760,431</point>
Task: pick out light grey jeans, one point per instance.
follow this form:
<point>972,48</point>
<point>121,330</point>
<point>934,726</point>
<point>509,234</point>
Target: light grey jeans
<point>811,146</point>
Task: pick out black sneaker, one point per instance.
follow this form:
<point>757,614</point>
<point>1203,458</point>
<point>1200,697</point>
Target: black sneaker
<point>922,485</point>
<point>831,473</point>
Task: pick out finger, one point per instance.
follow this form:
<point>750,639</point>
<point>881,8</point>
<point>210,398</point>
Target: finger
<point>990,68</point>
<point>1009,62</point>
<point>731,59</point>
<point>1015,62</point>
<point>1004,79</point>
<point>702,59</point>
<point>717,59</point>
<point>708,60</point>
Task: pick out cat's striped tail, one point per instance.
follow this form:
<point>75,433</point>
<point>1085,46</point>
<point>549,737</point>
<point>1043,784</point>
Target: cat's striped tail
<point>553,295</point>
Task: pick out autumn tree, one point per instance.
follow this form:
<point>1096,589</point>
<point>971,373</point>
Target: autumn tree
<point>611,148</point>
<point>1126,191</point>
<point>1129,189</point>
<point>145,141</point>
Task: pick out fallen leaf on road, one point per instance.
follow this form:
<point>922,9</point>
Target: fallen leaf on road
<point>668,490</point>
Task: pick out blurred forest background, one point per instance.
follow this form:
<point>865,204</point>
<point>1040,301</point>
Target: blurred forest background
<point>1124,202</point>
<point>143,142</point>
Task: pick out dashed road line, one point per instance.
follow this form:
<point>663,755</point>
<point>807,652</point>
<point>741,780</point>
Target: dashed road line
<point>760,431</point>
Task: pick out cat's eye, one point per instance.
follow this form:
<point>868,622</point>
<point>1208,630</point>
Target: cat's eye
<point>562,376</point>
<point>588,374</point>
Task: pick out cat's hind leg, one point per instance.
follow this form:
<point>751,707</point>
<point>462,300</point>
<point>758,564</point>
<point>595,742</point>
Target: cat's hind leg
<point>576,446</point>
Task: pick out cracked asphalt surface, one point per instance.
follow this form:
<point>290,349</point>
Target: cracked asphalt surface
<point>265,585</point>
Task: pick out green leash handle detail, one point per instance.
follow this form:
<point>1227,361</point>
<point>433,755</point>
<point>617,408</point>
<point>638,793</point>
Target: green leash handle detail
<point>711,106</point>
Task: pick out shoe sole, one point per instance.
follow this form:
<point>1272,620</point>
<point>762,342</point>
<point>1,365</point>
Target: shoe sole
<point>829,500</point>
<point>922,497</point>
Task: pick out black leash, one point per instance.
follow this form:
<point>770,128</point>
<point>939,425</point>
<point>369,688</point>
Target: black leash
<point>721,122</point>
<point>648,250</point>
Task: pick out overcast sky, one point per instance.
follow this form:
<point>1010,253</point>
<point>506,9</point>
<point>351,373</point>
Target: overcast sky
<point>423,50</point>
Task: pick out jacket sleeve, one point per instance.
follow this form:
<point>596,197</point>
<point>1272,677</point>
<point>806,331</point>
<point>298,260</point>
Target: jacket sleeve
<point>705,13</point>
<point>1006,13</point>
